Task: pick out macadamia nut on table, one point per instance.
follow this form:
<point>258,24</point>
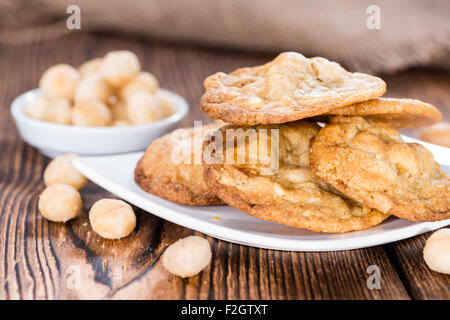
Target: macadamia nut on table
<point>112,219</point>
<point>187,257</point>
<point>60,203</point>
<point>61,171</point>
<point>437,251</point>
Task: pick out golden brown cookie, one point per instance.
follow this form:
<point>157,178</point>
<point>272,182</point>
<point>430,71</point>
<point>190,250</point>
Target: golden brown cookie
<point>399,113</point>
<point>289,88</point>
<point>170,170</point>
<point>437,134</point>
<point>287,193</point>
<point>370,163</point>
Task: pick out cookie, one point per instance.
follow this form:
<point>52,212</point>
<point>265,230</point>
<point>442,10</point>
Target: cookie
<point>251,179</point>
<point>370,163</point>
<point>399,113</point>
<point>437,134</point>
<point>170,170</point>
<point>289,88</point>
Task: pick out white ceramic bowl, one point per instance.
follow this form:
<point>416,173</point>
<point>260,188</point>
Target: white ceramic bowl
<point>55,139</point>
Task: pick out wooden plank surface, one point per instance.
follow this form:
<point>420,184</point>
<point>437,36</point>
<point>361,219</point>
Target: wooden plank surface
<point>42,260</point>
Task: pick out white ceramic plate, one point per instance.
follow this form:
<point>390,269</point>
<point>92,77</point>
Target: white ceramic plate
<point>116,174</point>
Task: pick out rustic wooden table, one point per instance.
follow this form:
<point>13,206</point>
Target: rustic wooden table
<point>42,260</point>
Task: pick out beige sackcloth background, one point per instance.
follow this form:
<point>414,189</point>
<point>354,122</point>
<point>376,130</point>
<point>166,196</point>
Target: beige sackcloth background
<point>413,33</point>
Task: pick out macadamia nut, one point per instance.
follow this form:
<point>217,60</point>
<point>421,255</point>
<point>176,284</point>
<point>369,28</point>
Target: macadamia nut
<point>51,110</point>
<point>437,251</point>
<point>37,108</point>
<point>61,171</point>
<point>107,91</point>
<point>119,67</point>
<point>59,203</point>
<point>112,219</point>
<point>119,110</point>
<point>59,82</point>
<point>121,123</point>
<point>91,113</point>
<point>90,67</point>
<point>166,103</point>
<point>144,108</point>
<point>143,82</point>
<point>187,257</point>
<point>58,111</point>
<point>92,87</point>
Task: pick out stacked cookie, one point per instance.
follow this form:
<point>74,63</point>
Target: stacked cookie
<point>275,161</point>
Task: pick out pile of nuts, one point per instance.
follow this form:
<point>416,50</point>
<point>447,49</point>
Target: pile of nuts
<point>108,91</point>
<point>61,201</point>
<point>110,218</point>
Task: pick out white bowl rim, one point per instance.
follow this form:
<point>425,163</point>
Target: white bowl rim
<point>182,109</point>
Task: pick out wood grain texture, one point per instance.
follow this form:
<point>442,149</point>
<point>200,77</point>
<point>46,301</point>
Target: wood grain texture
<point>418,279</point>
<point>44,260</point>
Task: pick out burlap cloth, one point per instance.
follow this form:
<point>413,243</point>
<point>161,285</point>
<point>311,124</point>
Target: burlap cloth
<point>413,33</point>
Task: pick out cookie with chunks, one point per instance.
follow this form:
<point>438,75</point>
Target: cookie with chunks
<point>289,88</point>
<point>264,171</point>
<point>171,168</point>
<point>399,113</point>
<point>370,163</point>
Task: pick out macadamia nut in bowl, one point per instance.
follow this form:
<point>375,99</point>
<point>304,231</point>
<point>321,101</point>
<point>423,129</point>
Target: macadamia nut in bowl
<point>59,81</point>
<point>54,139</point>
<point>108,105</point>
<point>119,67</point>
